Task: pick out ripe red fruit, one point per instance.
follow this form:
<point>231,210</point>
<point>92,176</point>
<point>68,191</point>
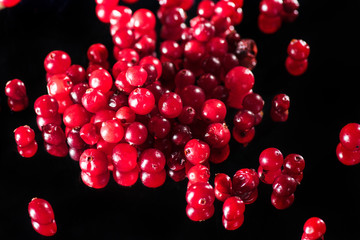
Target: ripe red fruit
<point>75,116</point>
<point>42,217</point>
<point>24,135</point>
<point>101,80</point>
<point>15,89</point>
<point>57,62</point>
<point>196,151</point>
<point>141,101</point>
<point>112,131</point>
<point>93,162</point>
<point>200,195</point>
<point>46,106</point>
<point>124,157</point>
<point>152,160</point>
<point>314,228</point>
<point>298,49</point>
<point>350,136</point>
<point>271,159</point>
<point>29,150</point>
<point>170,105</point>
<point>239,79</point>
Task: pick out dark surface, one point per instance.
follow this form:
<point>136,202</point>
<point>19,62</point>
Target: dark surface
<point>323,100</point>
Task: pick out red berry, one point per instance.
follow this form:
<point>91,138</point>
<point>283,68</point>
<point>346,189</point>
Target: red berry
<point>136,75</point>
<point>46,106</point>
<point>206,8</point>
<point>271,159</point>
<point>41,211</point>
<point>15,89</point>
<point>93,162</point>
<point>269,25</point>
<point>222,186</point>
<point>59,86</point>
<point>350,136</point>
<point>346,156</point>
<point>112,131</point>
<point>198,173</point>
<point>200,195</point>
<point>97,53</point>
<point>232,224</point>
<point>294,164</point>
<point>75,116</point>
<point>101,80</point>
<point>298,49</point>
<point>53,134</point>
<point>244,120</point>
<point>29,150</point>
<point>152,160</point>
<point>217,135</point>
<point>93,100</point>
<point>136,133</point>
<point>196,151</point>
<point>233,208</point>
<point>314,228</point>
<point>159,126</point>
<point>170,105</point>
<point>126,179</point>
<point>124,157</point>
<point>282,202</point>
<point>239,79</point>
<point>97,181</point>
<point>56,62</point>
<point>271,8</point>
<point>296,67</point>
<point>268,177</point>
<point>143,20</point>
<point>141,101</point>
<point>24,135</point>
<point>284,185</point>
<point>154,179</point>
<point>213,110</point>
<point>199,214</point>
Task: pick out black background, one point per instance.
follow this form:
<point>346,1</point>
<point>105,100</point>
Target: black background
<point>323,100</point>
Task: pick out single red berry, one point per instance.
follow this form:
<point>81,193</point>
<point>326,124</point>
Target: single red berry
<point>153,179</point>
<point>126,179</point>
<point>136,133</point>
<point>314,228</point>
<point>199,214</point>
<point>239,79</point>
<point>233,208</point>
<point>170,105</point>
<point>94,162</point>
<point>198,173</point>
<point>271,8</point>
<point>152,160</point>
<point>200,195</point>
<point>75,116</point>
<point>56,62</point>
<point>296,67</point>
<point>294,164</point>
<point>281,102</point>
<point>271,159</point>
<point>219,155</point>
<point>95,181</point>
<point>213,110</point>
<point>193,96</point>
<point>196,151</point>
<point>15,89</point>
<point>298,49</point>
<point>76,73</point>
<point>267,176</point>
<point>206,8</point>
<point>232,224</point>
<point>17,105</point>
<point>282,202</point>
<point>350,136</point>
<point>136,75</point>
<point>112,131</point>
<point>141,101</point>
<point>24,135</point>
<point>29,150</point>
<point>41,121</point>
<point>284,185</point>
<point>143,20</point>
<point>93,100</point>
<point>346,156</point>
<point>59,86</point>
<point>244,137</point>
<point>97,53</point>
<point>101,80</point>
<point>217,135</point>
<point>269,25</point>
<point>244,182</point>
<point>9,3</point>
<point>53,134</point>
<point>124,157</point>
<point>46,106</point>
<point>222,186</point>
<point>253,102</point>
<point>41,211</point>
<point>159,126</point>
<point>244,120</point>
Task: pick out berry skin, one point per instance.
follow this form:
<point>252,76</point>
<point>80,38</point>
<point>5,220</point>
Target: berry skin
<point>281,102</point>
<point>269,25</point>
<point>253,102</point>
<point>298,49</point>
<point>347,157</point>
<point>284,185</point>
<point>24,135</point>
<point>170,105</point>
<point>294,164</point>
<point>124,157</point>
<point>97,181</point>
<point>53,134</point>
<point>213,110</point>
<point>314,228</point>
<point>217,135</point>
<point>9,3</point>
<point>296,67</point>
<point>89,133</point>
<point>200,195</point>
<point>136,133</point>
<point>232,224</point>
<point>15,89</point>
<point>112,131</point>
<point>153,180</point>
<point>198,173</point>
<point>46,106</point>
<point>101,80</point>
<point>97,53</point>
<point>59,86</point>
<point>29,150</point>
<point>199,214</point>
<point>244,183</point>
<point>196,151</point>
<point>280,202</point>
<point>42,217</point>
<point>244,120</point>
<point>159,126</point>
<point>223,186</point>
<point>136,76</point>
<point>141,101</point>
<point>57,62</point>
<point>233,208</point>
<point>75,116</point>
<point>271,159</point>
<point>93,162</point>
<point>126,179</point>
<point>93,100</point>
<point>268,177</point>
<point>239,79</point>
<point>350,136</point>
<point>152,160</point>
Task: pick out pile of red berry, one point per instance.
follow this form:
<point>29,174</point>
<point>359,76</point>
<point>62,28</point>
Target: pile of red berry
<point>25,140</point>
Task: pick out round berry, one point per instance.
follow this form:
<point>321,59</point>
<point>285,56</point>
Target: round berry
<point>298,49</point>
<point>271,159</point>
<point>170,105</point>
<point>141,101</point>
<point>196,151</point>
<point>24,135</point>
<point>314,228</point>
<point>124,157</point>
<point>350,136</point>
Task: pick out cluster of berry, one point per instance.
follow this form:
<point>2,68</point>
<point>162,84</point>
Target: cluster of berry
<point>296,62</point>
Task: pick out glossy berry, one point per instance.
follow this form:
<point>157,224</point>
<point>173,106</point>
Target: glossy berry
<point>350,136</point>
<point>282,202</point>
<point>15,89</point>
<point>136,75</point>
<point>281,102</point>
<point>59,86</point>
<point>199,214</point>
<point>93,162</point>
<point>244,120</point>
<point>196,151</point>
<point>298,49</point>
<point>93,100</point>
<point>268,24</point>
<point>217,135</point>
<point>95,181</point>
<point>56,62</point>
<point>152,160</point>
<point>198,173</point>
<point>296,67</point>
<point>284,185</point>
<point>136,133</point>
<point>159,126</point>
<point>141,101</point>
<point>46,106</point>
<point>294,164</point>
<point>154,179</point>
<point>101,80</point>
<point>29,150</point>
<point>143,20</point>
<point>112,131</point>
<point>97,53</point>
<point>243,137</point>
<point>233,208</point>
<point>271,8</point>
<point>314,228</point>
<point>126,179</point>
<point>53,134</point>
<point>347,157</point>
<point>170,105</point>
<point>24,135</point>
<point>9,3</point>
<point>124,157</point>
<point>244,182</point>
<point>253,102</point>
<point>271,159</point>
<point>219,155</point>
<point>268,177</point>
<point>239,79</point>
<point>75,116</point>
<point>17,105</point>
<point>42,217</point>
<point>213,110</point>
<point>200,195</point>
<point>232,224</point>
